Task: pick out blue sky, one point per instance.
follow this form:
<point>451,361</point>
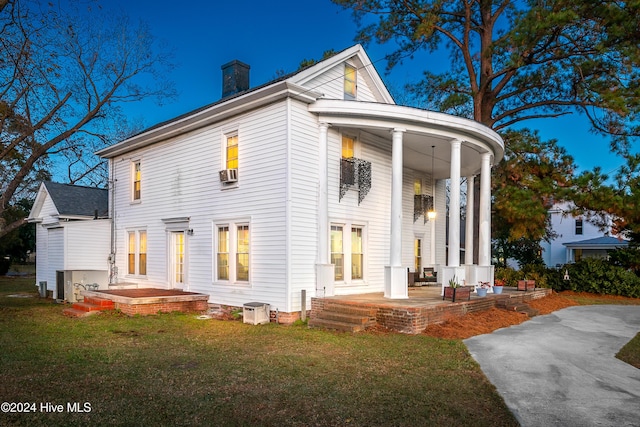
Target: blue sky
<point>276,35</point>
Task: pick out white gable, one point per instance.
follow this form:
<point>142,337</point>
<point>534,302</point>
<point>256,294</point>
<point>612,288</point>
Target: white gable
<point>43,210</point>
<point>327,77</point>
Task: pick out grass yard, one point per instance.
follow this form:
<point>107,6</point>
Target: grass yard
<point>174,369</point>
<point>630,353</point>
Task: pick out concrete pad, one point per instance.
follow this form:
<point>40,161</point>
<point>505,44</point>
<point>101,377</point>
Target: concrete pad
<point>560,369</point>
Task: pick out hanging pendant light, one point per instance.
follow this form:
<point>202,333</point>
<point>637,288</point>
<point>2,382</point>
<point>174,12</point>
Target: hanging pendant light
<point>431,214</point>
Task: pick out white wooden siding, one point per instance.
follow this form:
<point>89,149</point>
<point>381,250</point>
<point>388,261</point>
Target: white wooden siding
<point>180,179</point>
<point>55,256</point>
<point>42,259</point>
<point>304,203</point>
<point>48,212</point>
<point>87,245</point>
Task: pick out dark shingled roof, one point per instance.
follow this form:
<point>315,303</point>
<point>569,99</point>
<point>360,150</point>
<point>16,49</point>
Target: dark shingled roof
<point>79,201</point>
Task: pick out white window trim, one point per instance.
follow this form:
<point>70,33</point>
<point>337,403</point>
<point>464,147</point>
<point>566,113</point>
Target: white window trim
<point>233,251</point>
<point>171,270</point>
<point>348,96</point>
<point>137,231</point>
<point>231,132</point>
<point>132,174</point>
<point>357,146</point>
<point>421,240</point>
<point>346,251</point>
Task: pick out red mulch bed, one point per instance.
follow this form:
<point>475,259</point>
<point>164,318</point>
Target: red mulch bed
<point>488,321</point>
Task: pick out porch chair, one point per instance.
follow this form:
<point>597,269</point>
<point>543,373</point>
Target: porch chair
<point>430,275</point>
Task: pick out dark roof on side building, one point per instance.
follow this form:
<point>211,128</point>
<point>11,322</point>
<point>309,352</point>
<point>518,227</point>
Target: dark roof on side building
<point>75,200</point>
<point>603,242</point>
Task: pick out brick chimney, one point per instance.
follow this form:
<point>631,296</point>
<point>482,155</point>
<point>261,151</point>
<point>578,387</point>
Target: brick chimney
<point>235,78</point>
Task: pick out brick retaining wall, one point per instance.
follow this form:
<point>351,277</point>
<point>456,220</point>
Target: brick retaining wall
<point>161,307</point>
<point>413,320</point>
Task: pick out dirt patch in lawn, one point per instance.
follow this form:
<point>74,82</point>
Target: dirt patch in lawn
<point>488,321</point>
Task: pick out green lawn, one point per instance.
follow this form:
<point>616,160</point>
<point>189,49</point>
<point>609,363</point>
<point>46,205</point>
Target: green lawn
<point>630,353</point>
<point>175,369</point>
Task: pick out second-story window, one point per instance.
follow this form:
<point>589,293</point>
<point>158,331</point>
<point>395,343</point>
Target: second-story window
<point>348,147</point>
<point>136,181</point>
<point>579,226</point>
<point>231,157</point>
<point>417,187</point>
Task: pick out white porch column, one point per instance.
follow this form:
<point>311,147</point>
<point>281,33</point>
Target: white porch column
<point>324,269</point>
<point>453,270</point>
<point>396,285</point>
<point>484,244</point>
<point>454,205</point>
<point>432,233</point>
<point>468,238</point>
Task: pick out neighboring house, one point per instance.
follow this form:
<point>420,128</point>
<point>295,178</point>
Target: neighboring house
<point>576,238</point>
<point>72,237</point>
<point>316,181</point>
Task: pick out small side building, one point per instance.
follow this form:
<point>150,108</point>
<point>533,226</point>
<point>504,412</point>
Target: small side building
<point>72,238</point>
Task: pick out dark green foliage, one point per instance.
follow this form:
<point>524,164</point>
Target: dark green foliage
<point>601,277</point>
<point>531,176</point>
<point>591,275</point>
<point>628,258</point>
<point>507,275</point>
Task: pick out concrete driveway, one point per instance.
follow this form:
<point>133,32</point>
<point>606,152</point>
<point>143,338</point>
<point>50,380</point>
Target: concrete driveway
<point>560,369</point>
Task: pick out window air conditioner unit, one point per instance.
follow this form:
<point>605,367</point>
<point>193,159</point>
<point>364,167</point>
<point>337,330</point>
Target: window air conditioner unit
<point>228,175</point>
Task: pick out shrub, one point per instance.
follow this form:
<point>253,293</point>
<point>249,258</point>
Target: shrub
<point>508,275</point>
<point>538,273</point>
<point>598,276</point>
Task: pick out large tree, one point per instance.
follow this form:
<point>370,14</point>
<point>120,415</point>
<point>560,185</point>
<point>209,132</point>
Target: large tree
<point>516,60</point>
<point>532,176</point>
<point>512,61</point>
<point>64,73</point>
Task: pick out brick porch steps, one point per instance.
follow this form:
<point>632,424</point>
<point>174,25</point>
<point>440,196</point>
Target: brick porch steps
<point>520,307</point>
<point>343,317</point>
<point>88,307</point>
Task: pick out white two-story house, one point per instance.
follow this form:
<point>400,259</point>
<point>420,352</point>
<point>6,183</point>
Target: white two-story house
<point>316,181</point>
<point>576,238</point>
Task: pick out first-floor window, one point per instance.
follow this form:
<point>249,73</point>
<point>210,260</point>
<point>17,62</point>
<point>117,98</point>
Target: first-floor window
<point>337,256</point>
<point>142,253</point>
<point>356,253</point>
<point>223,253</point>
<point>417,252</point>
<point>242,254</point>
<point>233,243</point>
<point>137,252</point>
<point>347,252</point>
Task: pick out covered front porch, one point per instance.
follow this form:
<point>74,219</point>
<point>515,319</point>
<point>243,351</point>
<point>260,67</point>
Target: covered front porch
<point>441,146</point>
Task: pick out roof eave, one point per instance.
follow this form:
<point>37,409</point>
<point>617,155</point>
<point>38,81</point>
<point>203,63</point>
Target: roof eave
<point>215,113</point>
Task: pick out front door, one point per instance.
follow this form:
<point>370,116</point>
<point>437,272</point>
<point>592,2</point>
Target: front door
<point>178,260</point>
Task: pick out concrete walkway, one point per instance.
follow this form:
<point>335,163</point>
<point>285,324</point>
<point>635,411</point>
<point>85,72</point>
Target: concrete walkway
<point>560,369</point>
